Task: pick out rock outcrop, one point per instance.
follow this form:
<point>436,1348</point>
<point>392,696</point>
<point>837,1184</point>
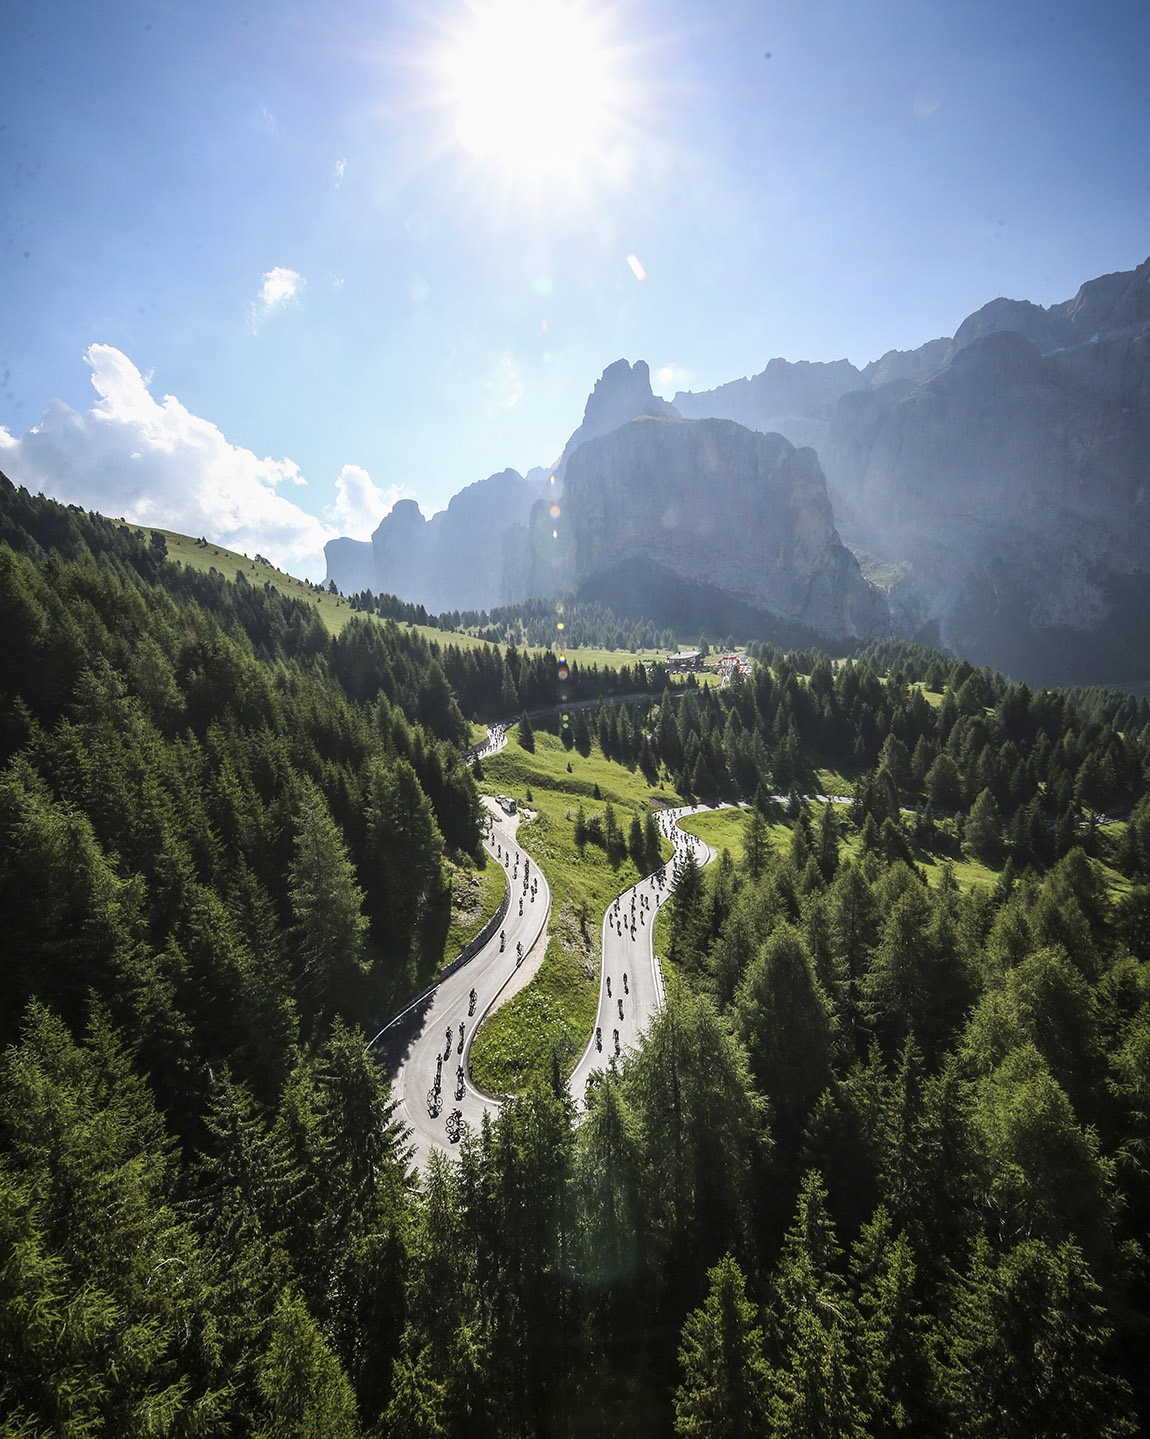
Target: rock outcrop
<point>623,392</point>
<point>795,400</point>
<point>451,561</point>
<point>703,501</point>
<point>1011,487</point>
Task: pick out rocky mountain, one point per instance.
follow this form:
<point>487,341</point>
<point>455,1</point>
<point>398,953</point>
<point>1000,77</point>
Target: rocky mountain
<point>452,560</point>
<point>622,393</point>
<point>738,517</point>
<point>996,484</point>
<point>1009,490</point>
<point>796,400</point>
<point>996,481</point>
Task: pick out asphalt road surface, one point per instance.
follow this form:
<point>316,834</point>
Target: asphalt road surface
<point>416,1048</point>
<point>427,1040</point>
<point>630,982</point>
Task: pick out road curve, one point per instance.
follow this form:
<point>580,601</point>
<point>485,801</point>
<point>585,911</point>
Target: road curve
<point>415,1047</point>
<point>629,971</point>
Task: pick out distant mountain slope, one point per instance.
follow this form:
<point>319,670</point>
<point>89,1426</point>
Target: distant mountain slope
<point>1001,475</point>
<point>702,502</point>
<point>996,480</point>
<point>451,561</point>
<point>1012,485</point>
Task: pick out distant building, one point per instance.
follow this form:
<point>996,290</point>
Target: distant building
<point>685,660</point>
<point>730,665</point>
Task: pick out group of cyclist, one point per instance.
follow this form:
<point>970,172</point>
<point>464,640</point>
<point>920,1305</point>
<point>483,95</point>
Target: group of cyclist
<point>639,908</point>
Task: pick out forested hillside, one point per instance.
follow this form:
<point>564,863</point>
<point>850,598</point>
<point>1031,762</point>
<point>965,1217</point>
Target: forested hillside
<point>880,1168</point>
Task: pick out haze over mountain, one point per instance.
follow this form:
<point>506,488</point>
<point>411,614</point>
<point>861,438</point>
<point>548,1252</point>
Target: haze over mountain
<point>706,504</point>
<point>623,515</point>
<point>452,560</point>
<point>995,482</point>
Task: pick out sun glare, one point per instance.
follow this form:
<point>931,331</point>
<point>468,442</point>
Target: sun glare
<point>531,86</point>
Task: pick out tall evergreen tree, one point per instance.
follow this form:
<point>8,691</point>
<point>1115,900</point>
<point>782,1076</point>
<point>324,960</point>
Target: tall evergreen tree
<point>327,903</point>
<point>723,1389</point>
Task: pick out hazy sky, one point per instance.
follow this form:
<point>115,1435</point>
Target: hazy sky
<point>266,266</point>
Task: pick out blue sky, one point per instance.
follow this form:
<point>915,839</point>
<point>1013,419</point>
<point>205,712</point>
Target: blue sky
<point>257,279</point>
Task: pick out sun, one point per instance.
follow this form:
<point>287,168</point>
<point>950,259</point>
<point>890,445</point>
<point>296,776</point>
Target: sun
<point>531,85</point>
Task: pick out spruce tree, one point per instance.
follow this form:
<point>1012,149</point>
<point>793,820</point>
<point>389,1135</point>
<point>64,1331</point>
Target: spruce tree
<point>526,733</point>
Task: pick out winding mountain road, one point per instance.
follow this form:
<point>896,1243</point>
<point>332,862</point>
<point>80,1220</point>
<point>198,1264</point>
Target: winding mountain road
<point>431,1040</point>
<point>432,1037</point>
<point>630,981</point>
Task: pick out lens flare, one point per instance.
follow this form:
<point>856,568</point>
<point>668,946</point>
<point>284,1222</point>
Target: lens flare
<point>533,84</point>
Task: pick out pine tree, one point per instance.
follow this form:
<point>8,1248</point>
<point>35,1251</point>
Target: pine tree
<point>637,845</point>
<point>983,834</point>
<point>756,844</point>
<point>652,850</point>
<point>720,1356</point>
<point>306,1394</point>
<point>526,733</point>
<point>783,1017</point>
<point>1027,1349</point>
<point>813,1324</point>
<point>327,904</point>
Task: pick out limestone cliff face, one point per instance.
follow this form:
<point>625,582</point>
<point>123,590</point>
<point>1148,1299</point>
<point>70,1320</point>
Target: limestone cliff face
<point>791,399</point>
<point>451,561</point>
<point>621,393</point>
<point>999,482</point>
<point>1012,486</point>
<point>350,564</point>
<point>704,501</point>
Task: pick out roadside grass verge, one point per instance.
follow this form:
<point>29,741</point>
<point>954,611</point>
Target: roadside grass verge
<point>547,769</point>
<point>721,828</point>
<point>475,896</point>
<point>544,1028</point>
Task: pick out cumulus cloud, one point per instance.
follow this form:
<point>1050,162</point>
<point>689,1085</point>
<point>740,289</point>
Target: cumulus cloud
<point>670,378</point>
<point>359,503</point>
<point>278,288</point>
<point>155,463</point>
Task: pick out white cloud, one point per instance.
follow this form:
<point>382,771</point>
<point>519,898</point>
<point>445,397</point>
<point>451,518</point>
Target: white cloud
<point>359,503</point>
<point>278,289</point>
<point>506,384</point>
<point>669,378</point>
<point>155,463</point>
<point>339,170</point>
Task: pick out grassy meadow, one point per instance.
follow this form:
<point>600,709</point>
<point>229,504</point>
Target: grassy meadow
<point>548,1022</point>
<point>334,610</point>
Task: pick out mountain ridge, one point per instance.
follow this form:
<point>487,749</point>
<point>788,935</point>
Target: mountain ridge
<point>1000,475</point>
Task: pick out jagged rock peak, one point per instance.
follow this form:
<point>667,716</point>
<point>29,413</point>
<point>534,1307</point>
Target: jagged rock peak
<point>404,515</point>
<point>623,392</point>
<point>1105,306</point>
<point>704,501</point>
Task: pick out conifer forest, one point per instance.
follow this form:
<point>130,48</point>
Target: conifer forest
<point>881,1167</point>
